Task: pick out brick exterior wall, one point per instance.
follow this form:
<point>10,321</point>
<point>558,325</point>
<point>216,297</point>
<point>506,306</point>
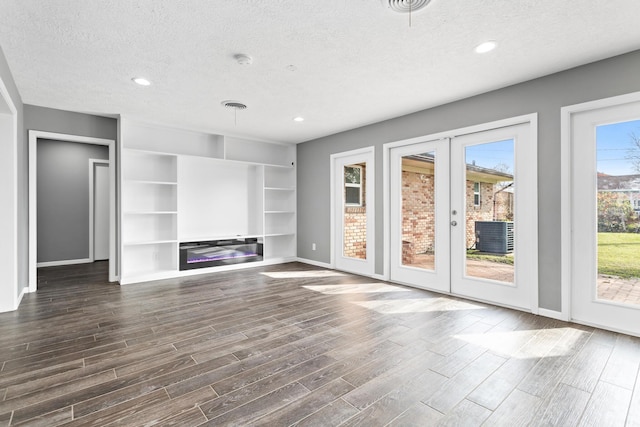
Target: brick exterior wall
<point>355,225</point>
<point>418,216</point>
<point>418,211</point>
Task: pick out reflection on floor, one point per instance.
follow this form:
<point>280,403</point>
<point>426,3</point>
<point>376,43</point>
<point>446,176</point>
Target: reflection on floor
<point>475,268</point>
<point>294,344</point>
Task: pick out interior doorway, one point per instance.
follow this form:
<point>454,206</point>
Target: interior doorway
<point>98,210</point>
<point>34,137</point>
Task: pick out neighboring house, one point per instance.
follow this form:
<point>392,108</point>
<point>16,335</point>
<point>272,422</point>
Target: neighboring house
<point>489,197</point>
<point>355,212</point>
<point>627,187</point>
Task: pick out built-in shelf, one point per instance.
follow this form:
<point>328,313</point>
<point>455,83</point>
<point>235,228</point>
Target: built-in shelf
<point>182,186</point>
<point>151,213</point>
<point>279,212</point>
<point>149,242</point>
<point>141,182</point>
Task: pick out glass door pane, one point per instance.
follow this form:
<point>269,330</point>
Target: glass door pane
<point>618,212</point>
<point>489,211</point>
<point>355,213</point>
<point>418,211</point>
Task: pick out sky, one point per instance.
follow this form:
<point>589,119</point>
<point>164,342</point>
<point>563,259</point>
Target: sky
<point>491,155</point>
<point>612,146</point>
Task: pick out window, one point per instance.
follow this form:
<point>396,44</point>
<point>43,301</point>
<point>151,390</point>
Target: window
<point>476,194</point>
<point>636,205</point>
<point>353,185</point>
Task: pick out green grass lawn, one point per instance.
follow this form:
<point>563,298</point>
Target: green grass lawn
<point>619,254</point>
<point>480,256</point>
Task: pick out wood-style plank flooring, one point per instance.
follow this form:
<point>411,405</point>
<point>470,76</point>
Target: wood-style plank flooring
<point>299,345</point>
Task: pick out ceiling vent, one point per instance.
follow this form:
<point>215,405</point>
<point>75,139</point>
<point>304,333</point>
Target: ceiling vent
<point>406,6</point>
<point>234,104</point>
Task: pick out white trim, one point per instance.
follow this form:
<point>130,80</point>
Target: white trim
<point>531,119</point>
<point>332,157</point>
<point>558,315</point>
<point>13,277</point>
<point>566,229</point>
<point>366,154</point>
<point>64,262</point>
<point>92,165</point>
<point>34,135</point>
<point>315,263</point>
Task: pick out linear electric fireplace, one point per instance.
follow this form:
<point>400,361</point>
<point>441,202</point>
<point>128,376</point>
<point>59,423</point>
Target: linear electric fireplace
<point>219,252</point>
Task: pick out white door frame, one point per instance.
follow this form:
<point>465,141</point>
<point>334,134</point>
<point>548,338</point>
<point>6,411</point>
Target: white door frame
<point>92,174</point>
<point>532,120</point>
<point>11,296</point>
<point>439,278</point>
<point>34,135</point>
<point>368,154</point>
<point>567,269</point>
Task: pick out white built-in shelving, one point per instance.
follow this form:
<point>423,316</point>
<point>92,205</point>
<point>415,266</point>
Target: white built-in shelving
<point>181,186</point>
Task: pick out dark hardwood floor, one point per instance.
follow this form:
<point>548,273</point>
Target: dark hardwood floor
<point>299,345</point>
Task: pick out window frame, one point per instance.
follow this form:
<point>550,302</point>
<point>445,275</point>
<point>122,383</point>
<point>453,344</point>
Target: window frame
<point>354,185</point>
<point>477,195</point>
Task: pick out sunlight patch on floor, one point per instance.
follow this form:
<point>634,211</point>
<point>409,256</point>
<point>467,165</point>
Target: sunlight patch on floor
<point>358,288</point>
<point>515,343</point>
<point>417,305</point>
<point>301,274</point>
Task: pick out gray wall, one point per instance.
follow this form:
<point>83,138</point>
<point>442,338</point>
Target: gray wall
<point>68,122</point>
<point>545,96</point>
<point>63,198</point>
<point>23,233</point>
<point>71,123</point>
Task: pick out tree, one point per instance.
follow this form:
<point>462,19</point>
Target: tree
<point>633,154</point>
<point>614,212</point>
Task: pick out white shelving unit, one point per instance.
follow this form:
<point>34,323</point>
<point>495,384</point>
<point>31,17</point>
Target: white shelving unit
<point>279,212</point>
<point>149,213</point>
<point>184,186</point>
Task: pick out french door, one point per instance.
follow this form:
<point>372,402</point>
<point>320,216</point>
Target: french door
<point>605,215</point>
<point>463,216</point>
<point>353,200</point>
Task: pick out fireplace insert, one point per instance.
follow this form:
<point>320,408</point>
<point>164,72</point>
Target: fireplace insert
<point>214,253</point>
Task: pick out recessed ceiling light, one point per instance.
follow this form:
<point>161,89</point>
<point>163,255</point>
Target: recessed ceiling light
<point>292,67</point>
<point>485,47</point>
<point>141,81</point>
<point>298,119</point>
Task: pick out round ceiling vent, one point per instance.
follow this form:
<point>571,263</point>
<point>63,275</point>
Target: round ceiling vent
<point>234,104</point>
<point>405,6</point>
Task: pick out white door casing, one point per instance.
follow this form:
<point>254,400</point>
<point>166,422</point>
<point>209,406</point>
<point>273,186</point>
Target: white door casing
<point>437,279</point>
<point>580,222</point>
<point>98,210</point>
<point>339,261</point>
<point>523,293</point>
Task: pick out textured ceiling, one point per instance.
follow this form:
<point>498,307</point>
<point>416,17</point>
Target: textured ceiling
<point>355,61</point>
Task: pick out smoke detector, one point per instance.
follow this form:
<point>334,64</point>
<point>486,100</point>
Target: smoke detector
<point>405,6</point>
<point>234,104</point>
<point>243,59</point>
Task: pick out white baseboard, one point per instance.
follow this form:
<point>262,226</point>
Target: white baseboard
<point>63,262</point>
<point>316,263</point>
<point>558,315</point>
<point>24,291</point>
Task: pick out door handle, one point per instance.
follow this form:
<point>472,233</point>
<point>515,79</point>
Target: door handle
<point>454,223</point>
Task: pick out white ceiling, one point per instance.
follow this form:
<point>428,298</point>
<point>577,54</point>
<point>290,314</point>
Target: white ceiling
<point>356,62</point>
